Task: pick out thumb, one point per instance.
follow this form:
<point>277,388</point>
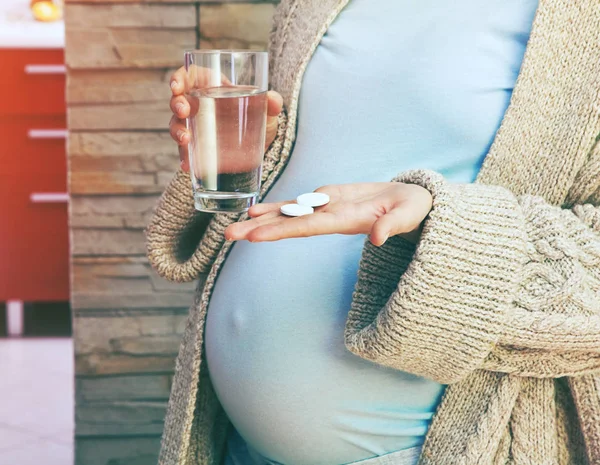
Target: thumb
<point>274,107</point>
<point>400,220</point>
<point>274,103</point>
<point>271,129</point>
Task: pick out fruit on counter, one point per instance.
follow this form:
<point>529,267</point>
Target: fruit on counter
<point>45,11</point>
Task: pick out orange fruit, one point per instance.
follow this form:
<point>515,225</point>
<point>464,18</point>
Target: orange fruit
<point>46,11</point>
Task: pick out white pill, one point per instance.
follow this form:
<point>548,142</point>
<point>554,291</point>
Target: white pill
<point>293,209</point>
<point>313,199</point>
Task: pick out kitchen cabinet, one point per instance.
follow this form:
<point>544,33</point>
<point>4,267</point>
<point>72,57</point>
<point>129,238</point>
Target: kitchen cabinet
<point>34,238</point>
<point>33,82</point>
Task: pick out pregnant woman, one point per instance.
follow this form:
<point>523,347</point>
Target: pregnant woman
<point>466,329</point>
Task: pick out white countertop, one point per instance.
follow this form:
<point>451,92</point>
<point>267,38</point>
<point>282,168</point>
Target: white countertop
<point>18,28</point>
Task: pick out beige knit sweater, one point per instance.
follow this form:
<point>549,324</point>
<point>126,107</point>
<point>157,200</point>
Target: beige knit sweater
<point>501,297</point>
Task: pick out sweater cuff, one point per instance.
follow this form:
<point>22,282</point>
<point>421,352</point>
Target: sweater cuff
<point>174,233</point>
<point>439,313</point>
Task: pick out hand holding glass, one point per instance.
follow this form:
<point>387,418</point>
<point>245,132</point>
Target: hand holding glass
<point>227,94</point>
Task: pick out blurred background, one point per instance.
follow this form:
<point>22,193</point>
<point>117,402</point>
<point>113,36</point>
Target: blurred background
<point>88,333</point>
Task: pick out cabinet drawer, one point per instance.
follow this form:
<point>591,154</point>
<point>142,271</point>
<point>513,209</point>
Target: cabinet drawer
<point>34,145</point>
<point>33,82</point>
<point>34,239</point>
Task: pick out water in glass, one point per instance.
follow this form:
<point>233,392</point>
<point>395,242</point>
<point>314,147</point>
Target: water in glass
<point>227,128</point>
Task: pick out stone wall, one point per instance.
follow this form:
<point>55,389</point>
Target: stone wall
<point>127,321</point>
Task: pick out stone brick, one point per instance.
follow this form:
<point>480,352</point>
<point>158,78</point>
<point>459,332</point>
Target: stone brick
<point>112,211</point>
<point>114,77</point>
<point>80,93</point>
<point>104,283</point>
<point>108,242</point>
<point>117,451</point>
<point>120,117</point>
<point>156,326</point>
<point>243,25</point>
<point>146,144</point>
<point>118,205</point>
<point>95,2</point>
<point>120,163</point>
<point>127,48</point>
<point>180,329</point>
<point>95,335</point>
<point>122,388</point>
<point>110,364</point>
<point>100,280</point>
<point>238,1</point>
<point>114,182</point>
<point>147,345</point>
<point>121,174</point>
<point>96,221</point>
<point>164,177</point>
<point>160,284</point>
<point>119,418</point>
<point>111,274</point>
<point>138,221</point>
<point>91,221</point>
<point>118,86</point>
<point>133,15</point>
<point>166,1</point>
<point>106,273</point>
<point>128,300</point>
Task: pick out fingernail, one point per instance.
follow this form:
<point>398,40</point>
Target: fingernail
<point>173,84</point>
<point>385,239</point>
<point>179,107</point>
<point>180,135</point>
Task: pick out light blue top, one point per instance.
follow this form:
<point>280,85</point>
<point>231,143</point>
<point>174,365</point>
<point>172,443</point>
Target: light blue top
<point>394,85</point>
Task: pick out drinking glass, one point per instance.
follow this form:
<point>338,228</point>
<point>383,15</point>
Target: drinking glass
<point>227,93</point>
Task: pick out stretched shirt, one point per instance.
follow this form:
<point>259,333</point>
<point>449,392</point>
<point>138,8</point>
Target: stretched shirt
<point>394,85</point>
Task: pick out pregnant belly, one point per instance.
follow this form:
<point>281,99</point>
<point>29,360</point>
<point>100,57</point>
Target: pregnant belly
<point>276,356</point>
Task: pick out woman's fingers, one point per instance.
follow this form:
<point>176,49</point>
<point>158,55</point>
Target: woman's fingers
<point>268,224</point>
<point>184,160</point>
<point>302,226</point>
<point>274,103</point>
<point>180,106</point>
<point>178,131</point>
<point>271,130</point>
<point>195,77</point>
<point>379,209</point>
<point>240,231</point>
<point>181,109</point>
<point>274,107</point>
<point>178,81</point>
<point>264,208</point>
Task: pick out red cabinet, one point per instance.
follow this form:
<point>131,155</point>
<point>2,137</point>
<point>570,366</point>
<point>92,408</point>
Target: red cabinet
<point>34,238</point>
<point>33,82</point>
<point>33,145</point>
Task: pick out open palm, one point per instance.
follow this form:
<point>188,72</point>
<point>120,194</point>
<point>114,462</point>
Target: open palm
<point>379,209</point>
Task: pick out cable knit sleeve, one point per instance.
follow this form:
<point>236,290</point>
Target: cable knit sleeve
<point>496,282</point>
<point>178,243</point>
<point>175,232</point>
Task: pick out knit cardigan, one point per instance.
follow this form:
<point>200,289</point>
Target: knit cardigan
<point>500,299</point>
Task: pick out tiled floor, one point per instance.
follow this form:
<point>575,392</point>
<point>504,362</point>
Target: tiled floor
<point>36,402</point>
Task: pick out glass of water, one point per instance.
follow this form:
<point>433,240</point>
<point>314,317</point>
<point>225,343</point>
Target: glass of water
<point>227,93</point>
